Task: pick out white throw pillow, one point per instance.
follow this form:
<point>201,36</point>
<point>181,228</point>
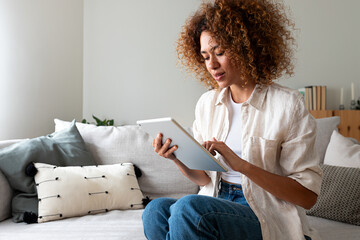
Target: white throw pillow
<point>342,151</point>
<point>65,192</point>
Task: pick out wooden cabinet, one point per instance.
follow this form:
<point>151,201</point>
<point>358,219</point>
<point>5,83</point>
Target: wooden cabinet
<point>349,121</point>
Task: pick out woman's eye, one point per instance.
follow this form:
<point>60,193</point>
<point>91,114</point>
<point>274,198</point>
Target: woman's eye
<point>206,58</point>
<point>220,54</point>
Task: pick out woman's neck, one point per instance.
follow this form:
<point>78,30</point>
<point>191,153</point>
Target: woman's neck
<point>242,93</point>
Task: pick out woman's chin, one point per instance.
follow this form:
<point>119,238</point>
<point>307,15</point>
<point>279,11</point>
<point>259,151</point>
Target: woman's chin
<point>222,84</point>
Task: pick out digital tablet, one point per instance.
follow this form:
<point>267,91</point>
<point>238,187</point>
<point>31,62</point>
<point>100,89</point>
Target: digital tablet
<point>190,152</point>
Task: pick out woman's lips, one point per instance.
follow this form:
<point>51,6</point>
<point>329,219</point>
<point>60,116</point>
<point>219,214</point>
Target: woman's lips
<point>219,76</point>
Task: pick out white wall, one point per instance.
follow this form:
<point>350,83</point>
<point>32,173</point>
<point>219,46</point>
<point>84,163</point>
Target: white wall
<point>328,47</point>
<point>41,51</point>
<point>130,64</point>
<point>129,59</point>
<point>130,70</point>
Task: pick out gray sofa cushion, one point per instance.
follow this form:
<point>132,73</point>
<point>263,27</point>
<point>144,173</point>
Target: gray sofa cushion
<point>339,198</point>
<point>109,145</point>
<point>62,148</point>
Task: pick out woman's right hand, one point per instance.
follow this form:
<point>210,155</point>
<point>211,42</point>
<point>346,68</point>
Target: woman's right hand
<point>163,149</point>
<point>199,177</point>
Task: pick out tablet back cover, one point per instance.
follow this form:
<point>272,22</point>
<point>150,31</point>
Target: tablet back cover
<point>190,152</point>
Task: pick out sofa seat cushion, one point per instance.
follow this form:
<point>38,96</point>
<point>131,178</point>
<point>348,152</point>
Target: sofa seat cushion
<point>127,224</point>
<point>117,224</point>
<point>333,230</point>
<point>110,145</point>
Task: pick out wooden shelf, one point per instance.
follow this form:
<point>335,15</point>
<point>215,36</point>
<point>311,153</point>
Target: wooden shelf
<point>349,121</point>
<point>321,113</point>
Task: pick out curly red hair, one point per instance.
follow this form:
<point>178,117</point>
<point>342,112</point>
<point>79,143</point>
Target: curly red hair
<point>256,35</point>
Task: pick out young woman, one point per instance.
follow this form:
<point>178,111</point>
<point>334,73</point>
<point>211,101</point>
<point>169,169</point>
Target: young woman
<point>259,129</point>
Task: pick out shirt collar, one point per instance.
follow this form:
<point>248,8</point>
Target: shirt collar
<point>256,99</point>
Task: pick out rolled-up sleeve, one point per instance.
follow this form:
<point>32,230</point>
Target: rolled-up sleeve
<point>299,159</point>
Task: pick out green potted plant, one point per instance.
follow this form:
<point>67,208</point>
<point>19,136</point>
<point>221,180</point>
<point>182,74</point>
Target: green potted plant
<point>99,122</point>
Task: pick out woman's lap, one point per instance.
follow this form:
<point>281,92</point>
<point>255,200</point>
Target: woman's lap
<point>199,217</point>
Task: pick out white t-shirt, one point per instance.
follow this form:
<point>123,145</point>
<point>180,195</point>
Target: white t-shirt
<point>233,140</point>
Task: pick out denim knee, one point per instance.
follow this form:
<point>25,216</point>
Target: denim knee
<point>155,218</point>
<point>190,205</point>
<point>189,202</point>
<point>156,207</point>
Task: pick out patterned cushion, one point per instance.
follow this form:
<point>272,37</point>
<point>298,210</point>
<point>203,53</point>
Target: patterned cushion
<point>339,198</point>
<point>65,192</point>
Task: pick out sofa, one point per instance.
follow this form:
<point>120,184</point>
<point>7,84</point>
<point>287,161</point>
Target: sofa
<point>110,146</point>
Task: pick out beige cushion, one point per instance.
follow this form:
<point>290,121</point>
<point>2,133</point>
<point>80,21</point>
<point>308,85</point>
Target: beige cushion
<point>342,152</point>
<point>109,145</point>
<point>65,192</point>
<point>5,189</point>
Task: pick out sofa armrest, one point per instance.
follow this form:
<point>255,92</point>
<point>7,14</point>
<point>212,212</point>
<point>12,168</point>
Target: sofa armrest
<point>5,190</point>
<point>5,198</point>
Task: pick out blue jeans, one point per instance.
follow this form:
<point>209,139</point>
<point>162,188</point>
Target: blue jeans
<point>201,217</point>
<point>232,192</point>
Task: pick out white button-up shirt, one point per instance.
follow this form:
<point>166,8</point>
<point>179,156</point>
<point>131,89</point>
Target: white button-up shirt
<point>278,135</point>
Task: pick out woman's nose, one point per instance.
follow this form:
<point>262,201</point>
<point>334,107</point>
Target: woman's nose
<point>213,63</point>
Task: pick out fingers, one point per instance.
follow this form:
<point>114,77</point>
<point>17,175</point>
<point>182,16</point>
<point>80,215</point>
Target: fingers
<point>163,149</point>
<point>210,146</point>
<point>212,149</point>
<point>157,142</point>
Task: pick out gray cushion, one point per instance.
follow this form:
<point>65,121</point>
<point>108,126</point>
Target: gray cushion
<point>325,127</point>
<point>339,197</point>
<point>62,148</point>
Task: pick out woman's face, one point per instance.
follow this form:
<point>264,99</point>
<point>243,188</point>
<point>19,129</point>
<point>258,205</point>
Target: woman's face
<point>217,63</point>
